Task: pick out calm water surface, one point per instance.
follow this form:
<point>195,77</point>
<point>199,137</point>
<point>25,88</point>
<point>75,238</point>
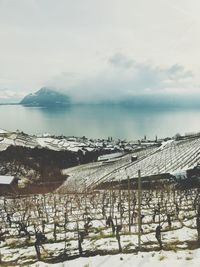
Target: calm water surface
<point>101,121</point>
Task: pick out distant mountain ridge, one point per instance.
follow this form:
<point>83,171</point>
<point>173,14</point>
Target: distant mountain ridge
<point>46,97</point>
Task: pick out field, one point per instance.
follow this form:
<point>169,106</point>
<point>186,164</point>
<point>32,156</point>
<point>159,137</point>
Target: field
<point>99,211</point>
<point>99,223</point>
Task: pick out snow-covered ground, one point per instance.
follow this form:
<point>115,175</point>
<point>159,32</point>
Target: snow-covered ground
<point>142,259</point>
<point>2,131</point>
<point>173,157</point>
<point>181,206</point>
<point>67,143</point>
<point>69,212</point>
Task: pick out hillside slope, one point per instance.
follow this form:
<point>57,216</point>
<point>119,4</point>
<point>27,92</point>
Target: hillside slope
<point>45,97</point>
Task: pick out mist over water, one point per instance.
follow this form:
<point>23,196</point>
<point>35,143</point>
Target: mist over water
<point>101,121</point>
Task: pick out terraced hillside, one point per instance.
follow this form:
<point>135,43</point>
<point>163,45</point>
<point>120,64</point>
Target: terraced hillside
<point>171,157</point>
<point>90,174</point>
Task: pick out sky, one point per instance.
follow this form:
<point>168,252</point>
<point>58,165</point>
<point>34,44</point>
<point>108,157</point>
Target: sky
<point>99,49</point>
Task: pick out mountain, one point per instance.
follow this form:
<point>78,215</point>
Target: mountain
<point>45,97</point>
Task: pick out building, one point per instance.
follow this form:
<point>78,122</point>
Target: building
<point>8,185</point>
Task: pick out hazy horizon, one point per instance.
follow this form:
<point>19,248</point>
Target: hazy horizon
<point>155,100</point>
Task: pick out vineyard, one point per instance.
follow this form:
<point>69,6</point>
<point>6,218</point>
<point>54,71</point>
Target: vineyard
<point>89,215</point>
<point>172,157</point>
<point>55,227</point>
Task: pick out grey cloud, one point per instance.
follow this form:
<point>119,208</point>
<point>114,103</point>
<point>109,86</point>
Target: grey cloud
<point>123,78</point>
<point>178,71</point>
<point>148,70</point>
<point>119,60</point>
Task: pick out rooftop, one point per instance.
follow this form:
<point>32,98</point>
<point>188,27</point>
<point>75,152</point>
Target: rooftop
<point>6,179</point>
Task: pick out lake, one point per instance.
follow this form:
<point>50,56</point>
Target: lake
<point>101,121</point>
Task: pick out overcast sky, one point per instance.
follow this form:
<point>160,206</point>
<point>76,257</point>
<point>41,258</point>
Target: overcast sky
<point>99,48</point>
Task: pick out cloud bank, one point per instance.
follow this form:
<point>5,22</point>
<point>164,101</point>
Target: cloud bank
<point>122,77</point>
